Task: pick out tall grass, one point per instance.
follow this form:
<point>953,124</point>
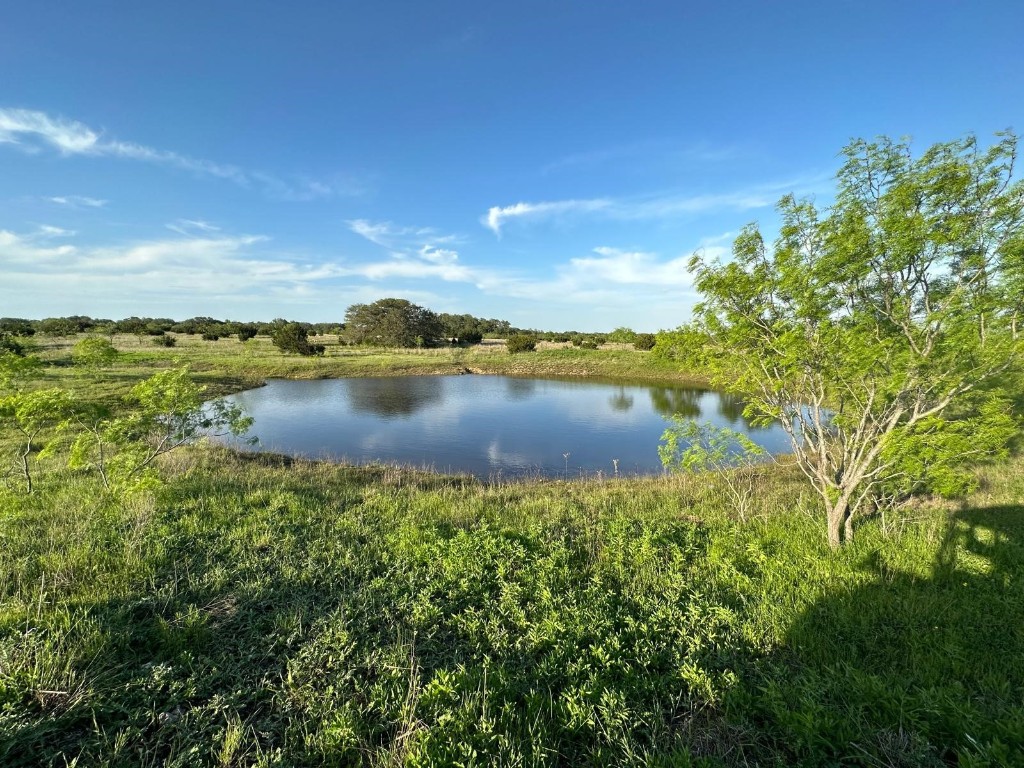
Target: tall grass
<point>264,611</point>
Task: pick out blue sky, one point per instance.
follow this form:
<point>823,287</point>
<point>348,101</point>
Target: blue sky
<point>550,163</point>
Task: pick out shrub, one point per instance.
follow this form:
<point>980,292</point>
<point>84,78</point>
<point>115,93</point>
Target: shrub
<point>94,352</point>
<point>164,341</point>
<point>644,341</point>
<point>521,342</point>
<point>247,332</point>
<point>587,344</point>
<point>9,344</point>
<point>294,337</point>
<point>210,336</point>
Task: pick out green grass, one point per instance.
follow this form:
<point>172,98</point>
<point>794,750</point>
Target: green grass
<point>229,365</point>
<point>262,611</point>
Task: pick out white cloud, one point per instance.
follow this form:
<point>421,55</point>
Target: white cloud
<point>415,252</point>
<point>389,235</point>
<point>190,227</point>
<point>77,201</point>
<point>497,215</point>
<point>171,269</point>
<point>46,230</point>
<point>31,130</point>
<point>651,207</point>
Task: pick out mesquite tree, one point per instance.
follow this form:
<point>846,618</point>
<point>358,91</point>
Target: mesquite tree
<point>884,331</point>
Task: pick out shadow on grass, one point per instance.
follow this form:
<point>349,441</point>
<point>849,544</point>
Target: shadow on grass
<point>911,669</point>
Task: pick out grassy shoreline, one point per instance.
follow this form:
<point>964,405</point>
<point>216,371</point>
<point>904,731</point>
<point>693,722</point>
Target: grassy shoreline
<point>228,365</point>
<point>261,610</point>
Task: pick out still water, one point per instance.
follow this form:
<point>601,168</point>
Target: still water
<point>489,426</point>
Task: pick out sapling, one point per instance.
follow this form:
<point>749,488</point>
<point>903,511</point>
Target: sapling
<point>688,446</point>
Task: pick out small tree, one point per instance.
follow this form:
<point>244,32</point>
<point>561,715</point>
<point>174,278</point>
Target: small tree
<point>34,415</point>
<point>691,447</point>
<point>878,332</point>
<point>165,412</point>
<point>521,342</point>
<point>644,341</point>
<point>94,352</point>
<point>246,332</point>
<point>293,337</point>
<point>622,335</point>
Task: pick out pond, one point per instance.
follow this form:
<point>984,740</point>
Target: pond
<point>489,426</point>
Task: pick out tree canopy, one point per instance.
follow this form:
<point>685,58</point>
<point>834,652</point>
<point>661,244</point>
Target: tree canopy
<point>392,323</point>
<point>882,332</point>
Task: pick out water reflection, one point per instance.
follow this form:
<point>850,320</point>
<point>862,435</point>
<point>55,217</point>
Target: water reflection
<point>520,389</point>
<point>485,425</point>
<point>730,408</point>
<point>395,396</point>
<point>621,401</point>
<point>671,400</point>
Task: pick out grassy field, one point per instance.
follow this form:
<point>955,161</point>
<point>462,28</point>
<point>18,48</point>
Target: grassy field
<point>230,365</point>
<point>256,610</point>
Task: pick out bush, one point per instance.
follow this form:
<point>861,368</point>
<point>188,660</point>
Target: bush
<point>587,344</point>
<point>644,341</point>
<point>94,352</point>
<point>164,341</point>
<point>294,337</point>
<point>521,342</point>
<point>9,344</point>
<point>247,332</point>
<point>210,336</point>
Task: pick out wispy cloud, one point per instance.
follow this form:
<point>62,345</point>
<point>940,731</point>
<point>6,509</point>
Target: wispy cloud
<point>191,227</point>
<point>414,252</point>
<point>46,230</point>
<point>33,131</point>
<point>650,207</point>
<point>497,216</point>
<point>389,235</point>
<point>77,201</point>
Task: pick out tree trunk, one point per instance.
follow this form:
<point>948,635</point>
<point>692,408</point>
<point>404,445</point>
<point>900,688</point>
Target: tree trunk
<point>840,522</point>
<point>25,468</point>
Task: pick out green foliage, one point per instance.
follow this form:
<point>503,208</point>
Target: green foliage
<point>392,323</point>
<point>622,335</point>
<point>293,337</point>
<point>938,456</point>
<point>869,329</point>
<point>164,340</point>
<point>521,342</point>
<point>94,352</point>
<point>687,445</point>
<point>262,611</point>
<point>247,332</point>
<point>10,345</point>
<point>16,326</point>
<point>16,370</point>
<point>164,412</point>
<point>645,341</point>
<point>34,414</point>
<point>210,335</point>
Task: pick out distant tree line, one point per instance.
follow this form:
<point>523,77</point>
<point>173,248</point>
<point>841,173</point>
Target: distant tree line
<point>388,322</point>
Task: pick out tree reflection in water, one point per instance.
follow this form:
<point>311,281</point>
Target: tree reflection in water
<point>620,401</point>
<point>398,396</point>
<point>520,389</point>
<point>669,400</point>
